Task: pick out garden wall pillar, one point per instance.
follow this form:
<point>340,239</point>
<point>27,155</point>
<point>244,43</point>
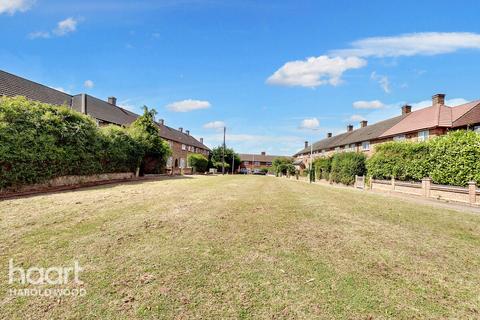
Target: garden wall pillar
<point>472,192</point>
<point>393,183</point>
<point>426,185</point>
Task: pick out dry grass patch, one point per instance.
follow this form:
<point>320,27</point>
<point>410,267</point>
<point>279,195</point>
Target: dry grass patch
<point>243,247</point>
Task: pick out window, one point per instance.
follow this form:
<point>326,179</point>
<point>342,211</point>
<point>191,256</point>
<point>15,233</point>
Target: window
<point>269,163</point>
<point>366,145</point>
<point>169,162</point>
<point>246,163</point>
<point>323,152</point>
<point>257,163</point>
<point>352,147</point>
<point>337,149</point>
<point>423,135</point>
<point>184,147</point>
<point>476,129</point>
<point>346,148</point>
<point>182,163</point>
<point>400,137</point>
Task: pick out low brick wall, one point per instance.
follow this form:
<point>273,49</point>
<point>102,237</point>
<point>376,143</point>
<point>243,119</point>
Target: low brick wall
<point>427,189</point>
<point>66,181</point>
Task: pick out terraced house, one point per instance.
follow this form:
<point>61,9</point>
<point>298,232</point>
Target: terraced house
<point>418,125</point>
<point>105,112</point>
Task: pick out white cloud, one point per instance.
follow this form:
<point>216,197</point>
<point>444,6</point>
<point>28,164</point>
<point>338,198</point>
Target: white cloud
<point>88,84</point>
<point>65,26</point>
<point>356,117</point>
<point>12,6</point>
<point>424,43</point>
<point>382,81</point>
<point>188,105</point>
<point>374,104</point>
<point>214,125</point>
<point>310,124</point>
<point>315,71</point>
<point>450,102</point>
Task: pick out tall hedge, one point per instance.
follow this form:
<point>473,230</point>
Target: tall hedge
<point>452,159</point>
<point>198,162</point>
<point>322,167</point>
<point>346,165</point>
<point>39,141</point>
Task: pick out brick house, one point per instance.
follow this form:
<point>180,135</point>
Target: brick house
<point>419,125</point>
<point>251,161</point>
<point>104,113</point>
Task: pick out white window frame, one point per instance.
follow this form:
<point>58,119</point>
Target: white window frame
<point>476,128</point>
<point>337,149</point>
<point>182,163</point>
<point>423,135</point>
<point>365,145</point>
<point>400,137</point>
<point>184,147</point>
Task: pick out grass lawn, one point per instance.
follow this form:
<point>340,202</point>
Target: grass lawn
<point>242,247</point>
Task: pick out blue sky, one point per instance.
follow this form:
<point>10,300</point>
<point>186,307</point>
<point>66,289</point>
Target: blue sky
<point>276,73</point>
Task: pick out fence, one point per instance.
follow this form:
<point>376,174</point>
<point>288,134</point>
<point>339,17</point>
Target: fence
<point>428,189</point>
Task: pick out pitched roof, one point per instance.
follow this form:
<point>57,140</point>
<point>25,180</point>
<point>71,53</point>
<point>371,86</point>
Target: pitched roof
<point>102,110</point>
<point>430,117</point>
<point>258,157</point>
<point>12,85</point>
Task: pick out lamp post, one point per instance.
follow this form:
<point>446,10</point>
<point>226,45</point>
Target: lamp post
<point>223,151</point>
<point>311,163</point>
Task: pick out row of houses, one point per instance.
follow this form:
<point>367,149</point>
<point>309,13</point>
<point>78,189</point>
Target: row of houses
<point>419,125</point>
<point>104,112</point>
<point>250,161</point>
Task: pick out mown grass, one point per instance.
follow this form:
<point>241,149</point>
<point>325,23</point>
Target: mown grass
<point>243,247</point>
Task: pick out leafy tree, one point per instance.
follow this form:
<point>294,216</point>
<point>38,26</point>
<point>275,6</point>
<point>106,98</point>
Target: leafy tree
<point>216,158</point>
<point>198,162</point>
<point>283,166</point>
<point>155,150</point>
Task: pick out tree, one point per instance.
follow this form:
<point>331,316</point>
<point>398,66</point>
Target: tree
<point>216,158</point>
<point>155,150</point>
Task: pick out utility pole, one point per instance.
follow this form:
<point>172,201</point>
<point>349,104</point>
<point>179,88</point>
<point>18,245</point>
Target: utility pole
<point>233,162</point>
<point>223,151</point>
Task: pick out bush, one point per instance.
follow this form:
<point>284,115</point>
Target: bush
<point>322,167</point>
<point>283,165</point>
<point>198,162</point>
<point>344,167</point>
<point>39,142</point>
<point>452,159</point>
<point>402,160</point>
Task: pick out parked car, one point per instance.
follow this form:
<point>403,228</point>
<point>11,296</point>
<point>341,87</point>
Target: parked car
<point>243,170</point>
<point>259,171</point>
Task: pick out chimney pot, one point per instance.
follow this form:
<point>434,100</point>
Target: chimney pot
<point>201,140</point>
<point>161,121</point>
<point>363,123</point>
<point>329,135</point>
<point>180,129</point>
<point>306,144</point>
<point>406,109</point>
<point>349,128</point>
<point>263,153</point>
<point>438,99</point>
<point>187,132</point>
<point>112,100</point>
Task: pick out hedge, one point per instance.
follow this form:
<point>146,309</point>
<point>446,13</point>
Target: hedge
<point>452,159</point>
<point>344,167</point>
<point>322,168</point>
<point>39,141</point>
<point>198,162</point>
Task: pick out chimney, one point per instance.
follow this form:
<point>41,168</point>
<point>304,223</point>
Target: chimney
<point>329,135</point>
<point>161,121</point>
<point>363,123</point>
<point>263,153</point>
<point>187,132</point>
<point>112,100</point>
<point>180,129</point>
<point>201,140</point>
<point>349,128</point>
<point>406,109</point>
<point>438,99</point>
<point>306,144</point>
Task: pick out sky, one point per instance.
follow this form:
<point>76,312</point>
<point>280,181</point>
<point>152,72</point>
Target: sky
<point>275,73</point>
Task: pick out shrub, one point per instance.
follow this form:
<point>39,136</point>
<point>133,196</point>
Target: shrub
<point>322,167</point>
<point>402,160</point>
<point>283,165</point>
<point>39,141</point>
<point>455,158</point>
<point>345,166</point>
<point>198,162</point>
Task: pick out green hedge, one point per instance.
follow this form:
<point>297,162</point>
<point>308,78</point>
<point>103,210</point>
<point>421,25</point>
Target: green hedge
<point>39,141</point>
<point>344,167</point>
<point>452,159</point>
<point>322,168</point>
<point>198,162</point>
